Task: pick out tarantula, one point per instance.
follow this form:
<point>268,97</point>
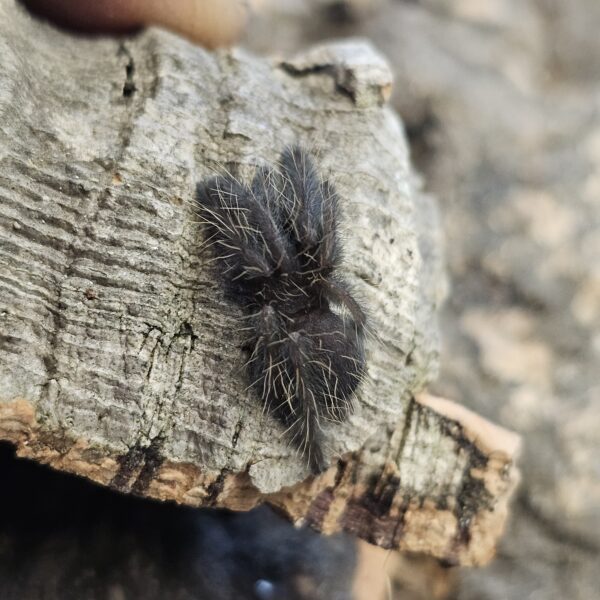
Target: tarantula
<point>277,245</point>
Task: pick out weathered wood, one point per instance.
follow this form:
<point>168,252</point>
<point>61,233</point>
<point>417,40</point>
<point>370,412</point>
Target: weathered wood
<point>119,358</point>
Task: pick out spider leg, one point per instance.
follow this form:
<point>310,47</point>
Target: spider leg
<point>329,248</point>
<point>337,292</point>
<point>268,189</point>
<point>235,241</point>
<point>246,236</point>
<point>312,206</point>
<point>268,215</point>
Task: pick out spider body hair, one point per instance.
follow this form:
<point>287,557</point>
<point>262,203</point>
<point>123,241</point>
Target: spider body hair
<point>277,245</point>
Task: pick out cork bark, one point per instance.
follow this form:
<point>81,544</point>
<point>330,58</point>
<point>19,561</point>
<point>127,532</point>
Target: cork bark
<point>120,359</point>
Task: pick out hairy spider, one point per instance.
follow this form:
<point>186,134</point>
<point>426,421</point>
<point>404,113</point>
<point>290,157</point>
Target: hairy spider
<point>278,249</point>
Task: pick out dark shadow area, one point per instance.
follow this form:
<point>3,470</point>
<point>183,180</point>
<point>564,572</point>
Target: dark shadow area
<point>62,537</point>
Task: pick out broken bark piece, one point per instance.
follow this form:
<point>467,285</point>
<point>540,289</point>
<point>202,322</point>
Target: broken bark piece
<point>356,67</point>
<point>120,358</point>
<point>438,483</point>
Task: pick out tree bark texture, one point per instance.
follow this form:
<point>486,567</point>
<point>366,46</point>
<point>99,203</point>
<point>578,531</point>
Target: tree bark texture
<point>121,361</point>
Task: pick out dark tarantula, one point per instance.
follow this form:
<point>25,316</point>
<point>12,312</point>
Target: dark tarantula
<point>278,249</point>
